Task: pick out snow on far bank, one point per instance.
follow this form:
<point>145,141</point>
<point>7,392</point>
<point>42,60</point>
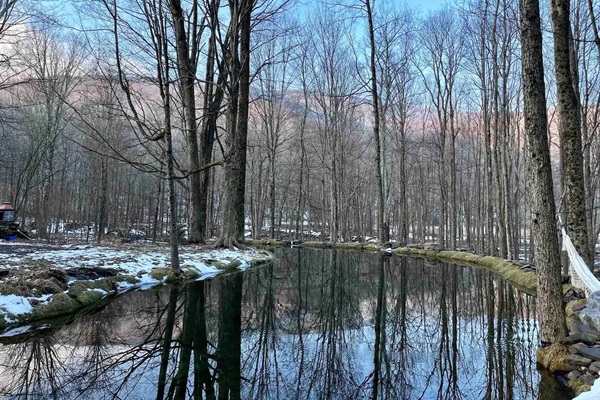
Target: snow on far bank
<point>131,260</point>
<point>134,260</point>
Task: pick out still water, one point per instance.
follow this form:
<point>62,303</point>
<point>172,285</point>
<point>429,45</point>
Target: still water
<point>316,324</point>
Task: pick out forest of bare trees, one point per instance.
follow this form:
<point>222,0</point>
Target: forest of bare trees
<point>344,121</point>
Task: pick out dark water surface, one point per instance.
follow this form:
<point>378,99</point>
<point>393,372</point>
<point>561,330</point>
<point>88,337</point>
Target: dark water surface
<point>317,324</point>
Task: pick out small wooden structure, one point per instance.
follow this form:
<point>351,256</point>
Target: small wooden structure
<point>7,213</point>
<point>8,227</point>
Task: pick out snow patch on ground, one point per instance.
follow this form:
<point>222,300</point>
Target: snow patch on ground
<point>102,292</point>
<point>131,261</point>
<point>136,261</point>
<point>14,304</point>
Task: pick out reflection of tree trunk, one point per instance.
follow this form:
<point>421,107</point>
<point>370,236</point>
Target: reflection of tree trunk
<point>379,324</point>
<point>264,349</point>
<point>333,326</point>
<point>454,302</point>
<point>187,337</point>
<point>509,318</point>
<point>489,296</point>
<point>167,339</point>
<point>300,326</point>
<point>400,328</point>
<point>499,339</point>
<point>202,374</point>
<point>230,337</point>
<point>443,356</point>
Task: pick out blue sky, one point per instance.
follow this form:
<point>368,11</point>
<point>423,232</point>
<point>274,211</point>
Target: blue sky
<point>425,5</point>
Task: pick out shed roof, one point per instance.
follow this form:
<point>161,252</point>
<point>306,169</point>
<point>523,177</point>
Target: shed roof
<point>5,206</point>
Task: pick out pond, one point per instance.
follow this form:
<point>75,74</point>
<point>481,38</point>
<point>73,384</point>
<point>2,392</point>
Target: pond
<point>316,324</point>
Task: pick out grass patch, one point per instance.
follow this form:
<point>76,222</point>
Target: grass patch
<point>82,286</point>
<point>166,274</point>
<point>124,278</point>
<point>61,303</point>
<point>36,283</point>
<point>574,305</point>
<point>347,246</point>
<point>317,245</point>
<point>578,386</point>
<point>190,272</point>
<point>226,266</point>
<point>512,272</point>
<point>268,242</point>
<point>552,357</point>
<point>89,297</point>
<point>163,274</point>
<point>84,291</point>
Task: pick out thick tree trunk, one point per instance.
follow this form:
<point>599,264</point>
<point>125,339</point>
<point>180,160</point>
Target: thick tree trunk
<point>232,232</point>
<point>230,337</point>
<point>213,97</point>
<point>550,309</point>
<point>570,131</point>
<point>186,69</point>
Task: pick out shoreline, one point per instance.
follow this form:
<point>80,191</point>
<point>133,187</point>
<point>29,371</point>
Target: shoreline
<point>43,282</point>
<point>513,272</point>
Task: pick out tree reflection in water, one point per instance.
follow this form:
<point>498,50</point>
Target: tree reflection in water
<point>317,324</point>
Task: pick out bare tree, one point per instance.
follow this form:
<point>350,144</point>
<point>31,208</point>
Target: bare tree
<point>570,130</point>
<point>541,194</point>
<point>54,73</point>
<point>238,90</point>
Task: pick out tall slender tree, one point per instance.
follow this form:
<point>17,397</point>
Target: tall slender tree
<point>187,50</point>
<point>383,227</point>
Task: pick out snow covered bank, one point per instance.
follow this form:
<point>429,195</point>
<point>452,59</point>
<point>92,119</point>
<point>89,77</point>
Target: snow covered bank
<point>42,280</point>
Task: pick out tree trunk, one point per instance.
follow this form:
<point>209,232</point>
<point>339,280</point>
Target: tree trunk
<point>213,97</point>
<point>570,131</point>
<point>550,309</point>
<point>186,69</point>
<point>102,213</point>
<point>383,225</point>
<point>232,232</point>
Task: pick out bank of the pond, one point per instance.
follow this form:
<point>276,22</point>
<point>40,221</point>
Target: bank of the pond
<point>39,281</point>
<point>577,357</point>
<point>519,275</point>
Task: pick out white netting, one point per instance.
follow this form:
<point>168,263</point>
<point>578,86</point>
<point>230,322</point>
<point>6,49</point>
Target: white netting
<point>581,276</point>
